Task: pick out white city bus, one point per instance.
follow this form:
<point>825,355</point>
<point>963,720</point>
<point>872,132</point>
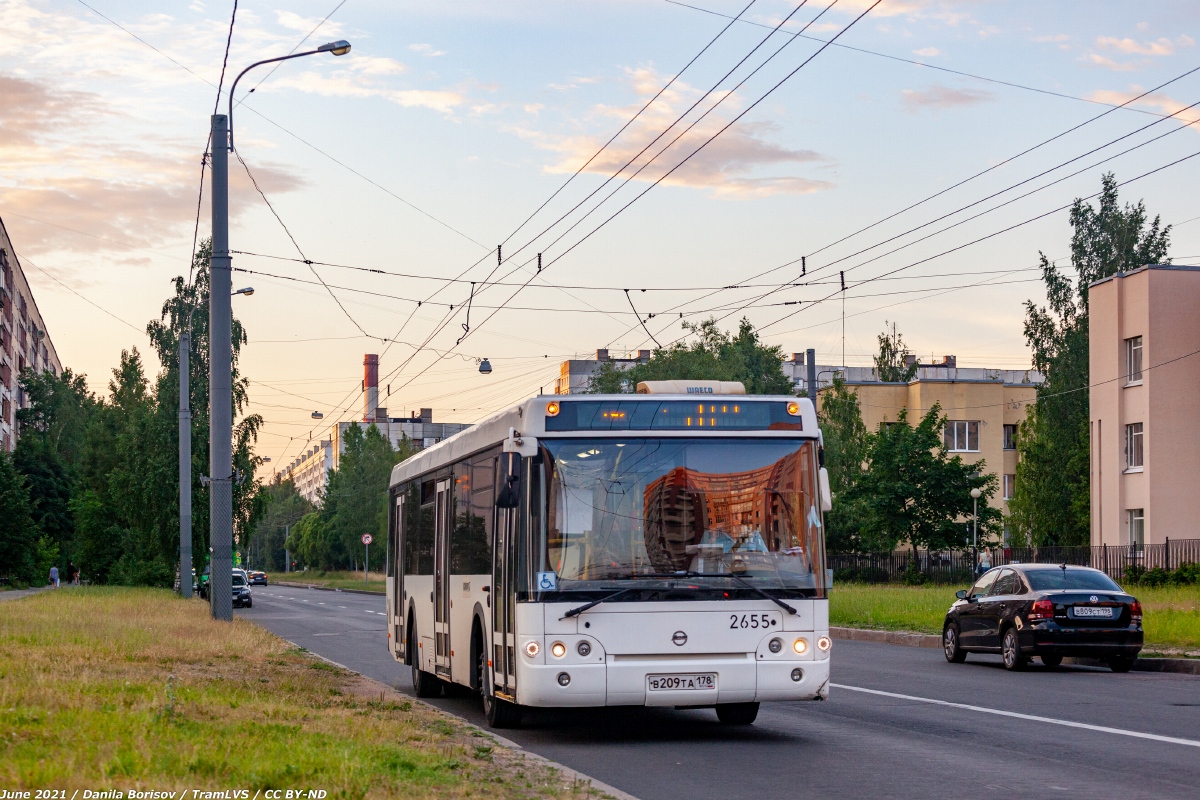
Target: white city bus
<point>660,549</point>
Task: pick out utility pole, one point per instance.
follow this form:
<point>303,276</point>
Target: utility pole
<point>220,379</point>
<point>185,469</point>
<point>811,358</point>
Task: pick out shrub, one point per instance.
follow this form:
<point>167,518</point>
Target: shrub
<point>1155,577</point>
<point>1134,573</point>
<point>913,576</point>
<point>1186,574</point>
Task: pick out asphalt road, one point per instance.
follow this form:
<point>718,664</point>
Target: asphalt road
<point>943,730</point>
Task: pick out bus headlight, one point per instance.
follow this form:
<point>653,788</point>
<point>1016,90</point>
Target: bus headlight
<point>824,643</point>
<point>797,674</point>
<point>800,646</point>
<point>775,645</point>
<point>558,649</point>
<point>583,648</point>
<point>564,679</point>
<point>532,648</point>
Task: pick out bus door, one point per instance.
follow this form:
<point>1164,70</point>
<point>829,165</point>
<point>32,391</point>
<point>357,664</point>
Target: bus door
<point>396,566</point>
<point>441,581</point>
<point>504,642</point>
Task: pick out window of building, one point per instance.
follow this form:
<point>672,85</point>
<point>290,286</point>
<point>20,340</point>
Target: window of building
<point>1133,445</point>
<point>1137,528</point>
<point>1010,437</point>
<point>1009,482</point>
<point>962,436</point>
<point>1133,360</point>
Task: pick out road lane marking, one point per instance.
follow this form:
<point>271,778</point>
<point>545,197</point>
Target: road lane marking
<point>1031,717</point>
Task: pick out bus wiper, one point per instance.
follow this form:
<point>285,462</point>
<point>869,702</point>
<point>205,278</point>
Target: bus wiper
<point>743,582</point>
<point>575,612</point>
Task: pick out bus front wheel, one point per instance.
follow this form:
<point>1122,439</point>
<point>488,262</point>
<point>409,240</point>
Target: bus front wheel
<point>737,713</point>
<point>424,684</point>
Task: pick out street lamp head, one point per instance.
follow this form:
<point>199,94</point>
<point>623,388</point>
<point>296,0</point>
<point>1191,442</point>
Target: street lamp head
<point>338,48</point>
<point>975,493</point>
<point>249,290</point>
<point>317,415</point>
<point>485,367</point>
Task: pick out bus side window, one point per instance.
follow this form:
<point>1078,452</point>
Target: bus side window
<point>424,529</point>
<point>411,531</point>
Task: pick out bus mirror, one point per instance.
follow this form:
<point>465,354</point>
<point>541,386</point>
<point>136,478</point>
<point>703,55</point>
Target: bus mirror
<point>508,496</point>
<point>826,495</point>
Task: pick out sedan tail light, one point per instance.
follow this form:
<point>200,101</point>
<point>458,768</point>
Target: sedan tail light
<point>1041,609</point>
<point>1135,611</point>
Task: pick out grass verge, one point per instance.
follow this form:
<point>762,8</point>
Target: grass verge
<point>1172,614</point>
<point>332,579</point>
<point>104,688</point>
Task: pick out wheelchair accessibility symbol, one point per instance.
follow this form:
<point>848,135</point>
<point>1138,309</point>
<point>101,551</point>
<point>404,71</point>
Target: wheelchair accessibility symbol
<point>547,581</point>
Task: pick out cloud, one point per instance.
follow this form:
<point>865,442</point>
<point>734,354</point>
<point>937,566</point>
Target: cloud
<point>1158,100</point>
<point>375,65</point>
<point>1058,37</point>
<point>1115,66</point>
<point>928,52</point>
<point>30,108</point>
<point>730,166</point>
<point>345,84</point>
<point>426,50</point>
<point>1160,47</point>
<point>1185,41</point>
<point>533,108</point>
<point>294,22</point>
<point>939,97</point>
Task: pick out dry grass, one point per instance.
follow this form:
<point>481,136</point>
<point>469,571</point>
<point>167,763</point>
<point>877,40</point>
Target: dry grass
<point>127,688</point>
<point>1172,614</point>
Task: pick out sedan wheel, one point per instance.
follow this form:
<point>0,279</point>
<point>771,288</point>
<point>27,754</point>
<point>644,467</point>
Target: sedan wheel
<point>950,646</point>
<point>1010,649</point>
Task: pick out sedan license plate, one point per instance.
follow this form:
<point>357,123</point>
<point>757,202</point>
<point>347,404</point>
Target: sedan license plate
<point>682,682</point>
<point>1105,612</point>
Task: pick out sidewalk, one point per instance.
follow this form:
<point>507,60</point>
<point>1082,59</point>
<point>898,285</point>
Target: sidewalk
<point>17,594</point>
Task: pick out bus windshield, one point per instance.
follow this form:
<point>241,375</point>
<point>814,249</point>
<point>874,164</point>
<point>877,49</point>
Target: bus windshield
<point>623,511</point>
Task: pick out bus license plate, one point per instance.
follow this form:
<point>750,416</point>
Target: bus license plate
<point>684,682</point>
<point>1094,611</point>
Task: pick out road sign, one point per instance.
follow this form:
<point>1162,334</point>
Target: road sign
<point>366,539</point>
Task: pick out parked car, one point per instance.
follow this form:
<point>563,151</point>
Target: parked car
<point>241,591</point>
<point>258,577</point>
<point>1044,610</point>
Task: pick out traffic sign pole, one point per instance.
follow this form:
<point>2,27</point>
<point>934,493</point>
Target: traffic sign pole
<point>366,540</point>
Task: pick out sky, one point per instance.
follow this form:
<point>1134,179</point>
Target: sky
<point>927,155</point>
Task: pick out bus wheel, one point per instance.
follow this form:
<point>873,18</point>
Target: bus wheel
<point>737,713</point>
<point>501,713</point>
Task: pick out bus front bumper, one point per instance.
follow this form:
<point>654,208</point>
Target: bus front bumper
<point>625,681</point>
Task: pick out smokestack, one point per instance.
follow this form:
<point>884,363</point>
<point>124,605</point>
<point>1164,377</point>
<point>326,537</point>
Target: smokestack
<point>370,386</point>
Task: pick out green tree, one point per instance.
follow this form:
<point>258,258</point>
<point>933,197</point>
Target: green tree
<point>891,363</point>
<point>846,446</point>
<point>53,428</point>
<point>19,545</point>
<point>283,507</point>
<point>712,355</point>
<point>1051,503</point>
<point>913,492</point>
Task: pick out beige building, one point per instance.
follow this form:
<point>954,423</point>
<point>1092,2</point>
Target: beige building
<point>575,374</point>
<point>1145,405</point>
<point>982,407</point>
<point>24,343</point>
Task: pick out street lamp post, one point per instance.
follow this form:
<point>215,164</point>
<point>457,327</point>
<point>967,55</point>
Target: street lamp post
<point>220,374</point>
<point>975,493</point>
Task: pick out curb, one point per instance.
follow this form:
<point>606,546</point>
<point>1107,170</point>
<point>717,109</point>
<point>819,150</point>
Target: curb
<point>1180,666</point>
<point>574,775</point>
<point>328,588</point>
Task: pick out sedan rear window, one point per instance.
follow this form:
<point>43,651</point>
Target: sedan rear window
<point>1048,579</point>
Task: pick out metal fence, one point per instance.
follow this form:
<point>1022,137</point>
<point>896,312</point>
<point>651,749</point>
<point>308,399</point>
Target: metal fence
<point>958,566</point>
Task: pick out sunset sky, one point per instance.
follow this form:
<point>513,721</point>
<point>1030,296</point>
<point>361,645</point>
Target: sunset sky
<point>450,123</point>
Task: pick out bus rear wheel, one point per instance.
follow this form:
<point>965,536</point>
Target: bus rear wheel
<point>737,713</point>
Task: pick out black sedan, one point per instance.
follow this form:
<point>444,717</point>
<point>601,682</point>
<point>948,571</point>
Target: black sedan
<point>241,592</point>
<point>1044,610</point>
<point>258,578</point>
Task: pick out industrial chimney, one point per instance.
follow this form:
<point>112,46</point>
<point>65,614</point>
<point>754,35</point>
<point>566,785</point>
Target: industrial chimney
<point>370,386</point>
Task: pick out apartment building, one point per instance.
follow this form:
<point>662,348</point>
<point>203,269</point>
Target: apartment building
<point>982,407</point>
<point>576,374</point>
<point>24,342</point>
<point>1144,336</point>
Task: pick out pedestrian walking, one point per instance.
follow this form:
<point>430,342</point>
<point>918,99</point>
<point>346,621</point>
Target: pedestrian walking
<point>72,574</point>
<point>54,577</point>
